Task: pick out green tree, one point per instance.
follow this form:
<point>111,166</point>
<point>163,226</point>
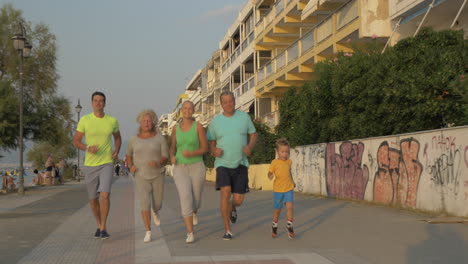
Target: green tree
<point>8,116</point>
<point>264,150</point>
<point>47,115</point>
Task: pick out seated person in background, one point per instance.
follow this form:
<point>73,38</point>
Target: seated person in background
<point>11,183</point>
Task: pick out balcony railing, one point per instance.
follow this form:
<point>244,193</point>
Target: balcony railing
<point>347,14</point>
<point>271,14</point>
<point>244,87</point>
<point>279,5</point>
<point>325,30</point>
<point>238,51</point>
<point>344,15</point>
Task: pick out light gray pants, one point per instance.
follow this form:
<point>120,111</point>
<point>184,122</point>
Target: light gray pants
<point>189,180</point>
<point>150,192</point>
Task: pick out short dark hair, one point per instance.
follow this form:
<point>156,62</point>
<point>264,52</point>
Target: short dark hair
<point>98,93</point>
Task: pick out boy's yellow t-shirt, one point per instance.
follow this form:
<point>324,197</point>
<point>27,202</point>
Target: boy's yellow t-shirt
<point>282,170</point>
<point>98,131</point>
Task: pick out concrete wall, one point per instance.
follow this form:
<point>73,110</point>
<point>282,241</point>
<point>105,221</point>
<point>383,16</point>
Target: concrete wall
<point>426,171</point>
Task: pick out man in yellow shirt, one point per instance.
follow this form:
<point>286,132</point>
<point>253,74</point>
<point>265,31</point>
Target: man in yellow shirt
<point>98,129</point>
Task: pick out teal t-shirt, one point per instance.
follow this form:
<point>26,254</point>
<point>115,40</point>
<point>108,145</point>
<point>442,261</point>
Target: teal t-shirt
<point>231,135</point>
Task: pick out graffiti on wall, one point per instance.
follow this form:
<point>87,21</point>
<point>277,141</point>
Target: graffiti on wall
<point>346,176</point>
<point>399,171</point>
<point>311,165</point>
<point>444,168</point>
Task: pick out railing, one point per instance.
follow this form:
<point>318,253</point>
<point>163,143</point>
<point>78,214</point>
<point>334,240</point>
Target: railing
<point>238,51</point>
<point>347,14</point>
<point>244,87</point>
<point>293,51</point>
<point>271,14</point>
<point>308,41</point>
<point>281,60</point>
<point>279,5</point>
<point>325,29</point>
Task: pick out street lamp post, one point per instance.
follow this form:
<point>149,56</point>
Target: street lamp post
<point>78,108</point>
<point>23,47</point>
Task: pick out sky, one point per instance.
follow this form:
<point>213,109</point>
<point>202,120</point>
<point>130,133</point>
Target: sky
<point>140,53</point>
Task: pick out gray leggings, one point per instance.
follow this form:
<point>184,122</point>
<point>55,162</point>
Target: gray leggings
<point>150,190</point>
<point>189,180</point>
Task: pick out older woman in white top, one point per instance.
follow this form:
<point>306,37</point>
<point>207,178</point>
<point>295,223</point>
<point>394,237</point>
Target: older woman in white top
<point>146,155</point>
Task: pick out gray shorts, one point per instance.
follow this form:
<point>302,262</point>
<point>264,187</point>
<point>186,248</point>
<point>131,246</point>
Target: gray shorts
<point>98,179</point>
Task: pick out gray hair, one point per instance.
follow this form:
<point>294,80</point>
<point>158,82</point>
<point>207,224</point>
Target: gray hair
<point>227,93</point>
<point>153,116</point>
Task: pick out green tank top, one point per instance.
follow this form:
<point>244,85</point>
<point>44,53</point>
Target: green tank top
<point>187,141</point>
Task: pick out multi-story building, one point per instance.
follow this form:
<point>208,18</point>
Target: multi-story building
<point>211,87</point>
<point>238,60</point>
<point>273,45</point>
<point>163,124</point>
<point>293,35</point>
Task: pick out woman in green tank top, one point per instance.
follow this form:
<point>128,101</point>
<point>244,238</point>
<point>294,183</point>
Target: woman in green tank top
<point>188,144</point>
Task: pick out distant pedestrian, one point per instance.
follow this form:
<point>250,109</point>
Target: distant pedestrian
<point>36,180</point>
<point>146,156</point>
<point>283,187</point>
<point>232,136</point>
<point>5,181</point>
<point>98,129</point>
<point>61,170</point>
<point>188,144</point>
<point>49,166</point>
<point>117,169</point>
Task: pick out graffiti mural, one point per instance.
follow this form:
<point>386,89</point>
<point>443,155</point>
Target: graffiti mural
<point>346,177</point>
<point>425,170</point>
<point>396,181</point>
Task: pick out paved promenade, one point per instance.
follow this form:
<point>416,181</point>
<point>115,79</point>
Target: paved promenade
<point>55,225</point>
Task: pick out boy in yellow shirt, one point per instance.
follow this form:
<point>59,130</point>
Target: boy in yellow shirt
<point>283,186</point>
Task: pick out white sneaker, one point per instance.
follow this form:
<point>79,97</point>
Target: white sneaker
<point>195,219</point>
<point>156,219</point>
<point>147,237</point>
<point>190,238</point>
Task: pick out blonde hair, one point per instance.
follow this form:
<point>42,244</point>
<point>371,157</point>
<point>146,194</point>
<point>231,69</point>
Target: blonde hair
<point>282,142</point>
<point>153,116</point>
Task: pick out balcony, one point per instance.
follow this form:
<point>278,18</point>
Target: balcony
<point>245,93</point>
<point>294,65</point>
<point>238,51</point>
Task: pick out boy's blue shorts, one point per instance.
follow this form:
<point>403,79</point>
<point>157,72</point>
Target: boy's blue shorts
<point>282,197</point>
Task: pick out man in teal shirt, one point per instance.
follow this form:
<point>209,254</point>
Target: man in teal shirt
<point>98,128</point>
<point>232,137</point>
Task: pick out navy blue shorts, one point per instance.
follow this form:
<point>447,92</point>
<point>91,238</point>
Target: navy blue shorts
<point>237,178</point>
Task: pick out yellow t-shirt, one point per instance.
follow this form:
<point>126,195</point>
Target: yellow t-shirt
<point>98,131</point>
<point>282,170</point>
